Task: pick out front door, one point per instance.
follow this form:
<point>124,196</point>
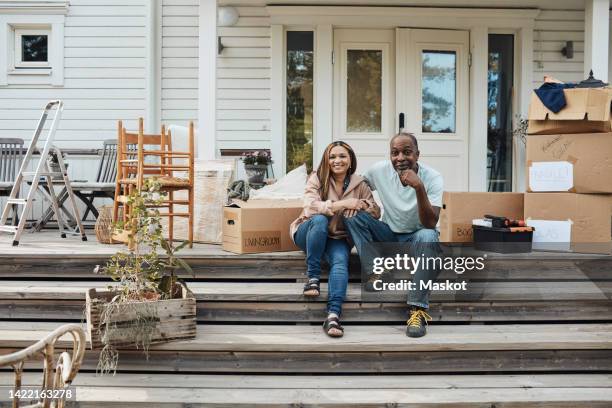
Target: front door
<point>413,79</point>
<point>433,99</point>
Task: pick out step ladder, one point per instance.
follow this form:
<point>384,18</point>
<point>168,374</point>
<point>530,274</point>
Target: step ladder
<point>42,174</point>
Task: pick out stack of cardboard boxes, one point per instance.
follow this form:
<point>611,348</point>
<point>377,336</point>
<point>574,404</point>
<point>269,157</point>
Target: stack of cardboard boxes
<point>569,179</point>
<point>569,171</point>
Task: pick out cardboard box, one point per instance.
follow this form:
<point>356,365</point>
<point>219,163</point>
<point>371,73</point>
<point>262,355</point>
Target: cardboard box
<point>459,209</point>
<point>577,163</point>
<point>569,222</point>
<point>587,110</point>
<point>259,225</point>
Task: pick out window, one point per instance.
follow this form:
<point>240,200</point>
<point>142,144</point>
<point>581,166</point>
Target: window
<point>364,91</point>
<point>499,112</point>
<point>300,76</point>
<point>439,90</point>
<point>32,40</point>
<point>32,48</point>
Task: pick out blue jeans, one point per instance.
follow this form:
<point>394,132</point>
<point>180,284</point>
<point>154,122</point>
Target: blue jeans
<point>312,238</point>
<point>364,229</point>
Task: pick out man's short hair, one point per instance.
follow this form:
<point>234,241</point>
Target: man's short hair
<point>406,134</point>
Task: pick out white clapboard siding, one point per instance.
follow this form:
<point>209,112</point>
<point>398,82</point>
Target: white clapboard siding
<point>243,81</point>
<point>103,76</point>
<point>552,29</point>
<point>180,43</point>
<point>104,71</point>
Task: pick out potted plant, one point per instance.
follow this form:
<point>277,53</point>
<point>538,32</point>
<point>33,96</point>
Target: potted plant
<point>255,165</point>
<point>150,305</point>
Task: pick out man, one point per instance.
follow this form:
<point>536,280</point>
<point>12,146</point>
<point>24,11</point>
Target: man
<point>411,194</point>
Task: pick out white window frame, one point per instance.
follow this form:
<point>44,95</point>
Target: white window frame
<point>283,144</point>
<point>18,33</point>
<point>385,72</point>
<point>32,15</point>
<point>278,89</point>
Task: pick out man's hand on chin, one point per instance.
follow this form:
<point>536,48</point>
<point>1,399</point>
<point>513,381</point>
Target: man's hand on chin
<point>409,178</point>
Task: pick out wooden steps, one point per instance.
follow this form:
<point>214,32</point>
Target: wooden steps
<point>282,302</point>
<point>361,338</point>
<point>232,268</point>
<point>363,349</point>
<point>172,390</point>
<point>533,330</point>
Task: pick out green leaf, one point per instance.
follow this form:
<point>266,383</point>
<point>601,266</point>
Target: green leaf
<point>181,246</point>
<point>185,266</point>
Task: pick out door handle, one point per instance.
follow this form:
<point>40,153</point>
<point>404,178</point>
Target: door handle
<point>401,122</point>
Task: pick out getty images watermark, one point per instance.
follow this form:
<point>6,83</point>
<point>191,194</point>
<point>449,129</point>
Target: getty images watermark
<point>403,264</point>
<point>392,271</point>
<point>459,274</point>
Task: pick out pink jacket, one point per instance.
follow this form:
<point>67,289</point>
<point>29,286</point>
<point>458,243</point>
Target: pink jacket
<point>313,204</point>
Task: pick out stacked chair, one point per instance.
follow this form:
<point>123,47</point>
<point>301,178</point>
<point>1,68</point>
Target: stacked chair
<point>141,156</point>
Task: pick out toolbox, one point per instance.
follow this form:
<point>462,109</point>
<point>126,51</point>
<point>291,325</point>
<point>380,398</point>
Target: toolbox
<point>503,240</point>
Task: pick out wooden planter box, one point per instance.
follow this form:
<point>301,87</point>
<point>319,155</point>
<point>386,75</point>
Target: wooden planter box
<point>175,318</point>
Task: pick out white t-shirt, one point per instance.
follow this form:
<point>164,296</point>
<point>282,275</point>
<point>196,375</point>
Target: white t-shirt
<point>401,212</point>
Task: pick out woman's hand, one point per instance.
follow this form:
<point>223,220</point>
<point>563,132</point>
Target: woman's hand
<point>355,204</point>
<point>349,204</point>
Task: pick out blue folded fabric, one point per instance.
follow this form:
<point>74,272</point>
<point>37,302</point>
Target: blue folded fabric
<point>552,96</point>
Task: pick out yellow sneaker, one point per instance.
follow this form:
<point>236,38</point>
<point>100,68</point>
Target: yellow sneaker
<point>417,323</point>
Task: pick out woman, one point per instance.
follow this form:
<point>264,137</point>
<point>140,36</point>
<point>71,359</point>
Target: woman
<point>332,192</point>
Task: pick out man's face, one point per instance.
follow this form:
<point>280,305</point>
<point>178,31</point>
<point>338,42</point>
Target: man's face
<point>404,154</point>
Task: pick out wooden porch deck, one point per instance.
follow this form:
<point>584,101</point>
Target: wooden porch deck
<point>533,330</point>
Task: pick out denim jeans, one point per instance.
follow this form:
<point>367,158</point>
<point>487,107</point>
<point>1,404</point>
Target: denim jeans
<point>312,238</point>
<point>364,229</point>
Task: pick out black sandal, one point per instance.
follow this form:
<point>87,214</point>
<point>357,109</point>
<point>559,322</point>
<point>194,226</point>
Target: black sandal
<point>313,284</point>
<point>333,323</point>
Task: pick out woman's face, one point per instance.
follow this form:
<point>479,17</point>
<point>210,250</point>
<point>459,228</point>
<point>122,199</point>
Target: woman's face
<point>339,160</point>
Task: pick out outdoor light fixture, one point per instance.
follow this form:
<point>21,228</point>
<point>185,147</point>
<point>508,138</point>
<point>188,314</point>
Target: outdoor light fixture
<point>568,50</point>
<point>227,16</point>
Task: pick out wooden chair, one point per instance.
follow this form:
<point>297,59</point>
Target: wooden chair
<point>154,157</point>
<point>11,156</point>
<point>58,374</point>
<point>104,184</point>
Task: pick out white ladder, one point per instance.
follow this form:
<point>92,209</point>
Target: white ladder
<point>42,170</point>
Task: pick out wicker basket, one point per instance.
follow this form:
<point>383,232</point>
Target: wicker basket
<point>104,225</point>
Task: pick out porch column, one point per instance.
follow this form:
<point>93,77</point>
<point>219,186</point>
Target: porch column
<point>277,99</point>
<point>153,66</point>
<point>526,88</point>
<point>479,48</point>
<point>207,91</point>
<point>323,117</point>
<point>596,38</point>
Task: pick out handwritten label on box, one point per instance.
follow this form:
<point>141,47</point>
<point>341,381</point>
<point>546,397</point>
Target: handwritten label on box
<point>551,235</point>
<point>551,176</point>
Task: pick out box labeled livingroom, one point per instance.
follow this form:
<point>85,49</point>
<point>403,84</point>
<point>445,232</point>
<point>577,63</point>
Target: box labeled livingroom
<point>259,225</point>
<point>580,163</point>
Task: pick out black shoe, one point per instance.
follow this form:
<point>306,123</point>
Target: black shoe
<point>312,288</point>
<point>417,323</point>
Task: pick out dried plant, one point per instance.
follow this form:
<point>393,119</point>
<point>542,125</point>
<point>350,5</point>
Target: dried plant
<point>143,276</point>
<point>520,132</point>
